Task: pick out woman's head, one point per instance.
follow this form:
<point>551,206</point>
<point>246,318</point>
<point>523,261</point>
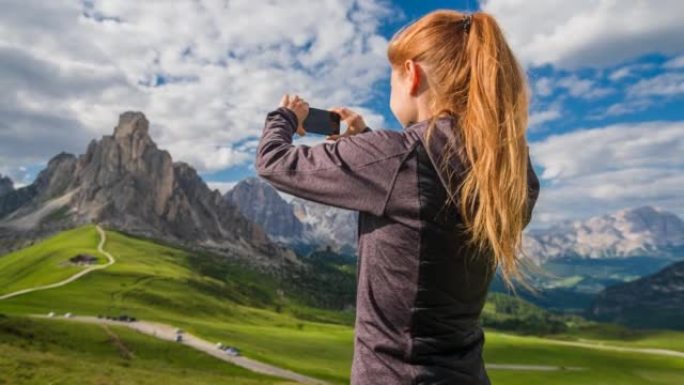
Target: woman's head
<point>448,64</point>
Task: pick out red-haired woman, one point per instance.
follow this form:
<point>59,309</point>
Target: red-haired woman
<point>441,203</point>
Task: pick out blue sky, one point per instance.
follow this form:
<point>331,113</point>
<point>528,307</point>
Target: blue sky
<point>606,129</point>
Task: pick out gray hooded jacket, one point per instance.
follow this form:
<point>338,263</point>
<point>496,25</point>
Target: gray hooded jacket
<point>420,290</point>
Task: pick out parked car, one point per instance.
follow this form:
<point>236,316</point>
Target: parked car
<point>125,318</point>
<point>230,350</point>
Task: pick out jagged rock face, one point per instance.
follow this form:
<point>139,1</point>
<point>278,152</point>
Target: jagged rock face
<point>260,202</point>
<point>655,301</point>
<point>124,181</point>
<point>6,185</point>
<point>302,224</point>
<point>332,226</point>
<point>57,178</point>
<point>128,174</point>
<point>641,231</point>
<point>51,182</point>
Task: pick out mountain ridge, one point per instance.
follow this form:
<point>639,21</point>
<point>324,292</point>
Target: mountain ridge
<point>124,181</point>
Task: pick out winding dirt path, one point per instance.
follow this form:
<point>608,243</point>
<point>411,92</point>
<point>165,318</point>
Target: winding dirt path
<point>165,332</point>
<point>602,346</point>
<point>100,248</point>
<point>168,333</point>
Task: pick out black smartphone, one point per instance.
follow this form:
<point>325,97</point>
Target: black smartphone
<point>322,122</point>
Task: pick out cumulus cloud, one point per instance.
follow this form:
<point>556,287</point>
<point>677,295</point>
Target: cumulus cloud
<point>675,63</point>
<point>588,33</point>
<point>667,84</point>
<point>204,73</point>
<point>538,118</point>
<point>598,170</point>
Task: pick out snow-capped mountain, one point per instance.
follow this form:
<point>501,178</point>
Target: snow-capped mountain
<point>640,231</point>
<point>328,225</point>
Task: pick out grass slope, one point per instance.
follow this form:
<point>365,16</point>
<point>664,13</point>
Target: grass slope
<point>219,301</point>
<point>40,264</point>
<point>35,351</point>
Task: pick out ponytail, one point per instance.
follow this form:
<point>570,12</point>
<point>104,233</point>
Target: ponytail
<point>478,80</point>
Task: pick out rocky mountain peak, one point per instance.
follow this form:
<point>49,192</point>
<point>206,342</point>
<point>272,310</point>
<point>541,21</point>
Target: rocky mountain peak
<point>302,224</point>
<point>124,181</point>
<point>260,202</point>
<point>132,123</point>
<point>634,231</point>
<point>6,185</point>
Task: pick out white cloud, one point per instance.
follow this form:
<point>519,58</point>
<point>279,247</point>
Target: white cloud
<point>588,33</point>
<point>630,106</point>
<point>675,63</point>
<point>573,84</point>
<point>582,88</point>
<point>204,73</point>
<point>598,170</point>
<point>543,86</point>
<point>667,84</point>
<point>537,118</point>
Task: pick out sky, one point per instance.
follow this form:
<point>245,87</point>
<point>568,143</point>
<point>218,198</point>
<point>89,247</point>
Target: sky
<point>607,83</point>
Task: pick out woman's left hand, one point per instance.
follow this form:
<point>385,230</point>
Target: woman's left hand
<point>299,107</point>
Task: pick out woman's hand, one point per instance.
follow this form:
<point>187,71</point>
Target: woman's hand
<point>299,107</point>
<point>355,122</point>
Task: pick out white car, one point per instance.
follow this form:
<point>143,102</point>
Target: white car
<point>51,314</point>
<point>67,315</point>
<point>232,351</point>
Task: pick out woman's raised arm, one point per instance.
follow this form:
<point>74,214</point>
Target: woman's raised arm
<point>354,172</point>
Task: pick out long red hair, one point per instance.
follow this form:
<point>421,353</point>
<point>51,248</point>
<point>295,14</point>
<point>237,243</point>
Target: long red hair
<point>474,76</point>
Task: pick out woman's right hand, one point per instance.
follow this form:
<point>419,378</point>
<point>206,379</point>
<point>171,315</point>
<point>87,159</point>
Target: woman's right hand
<point>355,122</point>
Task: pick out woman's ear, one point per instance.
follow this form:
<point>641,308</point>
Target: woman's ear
<point>414,76</point>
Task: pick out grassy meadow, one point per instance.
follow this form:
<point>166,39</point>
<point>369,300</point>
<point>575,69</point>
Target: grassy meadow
<point>220,301</point>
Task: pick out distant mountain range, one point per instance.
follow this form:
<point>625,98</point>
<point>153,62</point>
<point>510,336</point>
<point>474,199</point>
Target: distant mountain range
<point>124,181</point>
<point>631,232</point>
<point>611,265</point>
<point>302,225</point>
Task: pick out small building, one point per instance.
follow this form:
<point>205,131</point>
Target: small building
<point>83,259</point>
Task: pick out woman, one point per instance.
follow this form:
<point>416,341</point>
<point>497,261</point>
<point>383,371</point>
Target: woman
<point>441,204</point>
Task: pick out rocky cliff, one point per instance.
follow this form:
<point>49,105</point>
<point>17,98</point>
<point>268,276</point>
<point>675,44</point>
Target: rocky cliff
<point>123,181</point>
<point>6,185</point>
<point>303,225</point>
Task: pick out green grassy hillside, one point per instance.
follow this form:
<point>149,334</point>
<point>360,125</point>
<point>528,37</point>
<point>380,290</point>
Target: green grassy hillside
<point>220,301</point>
<point>39,264</point>
<point>41,351</point>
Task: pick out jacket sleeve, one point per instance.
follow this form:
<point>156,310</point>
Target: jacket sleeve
<point>355,172</point>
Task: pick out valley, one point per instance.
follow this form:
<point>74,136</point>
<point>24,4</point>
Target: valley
<point>270,324</point>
